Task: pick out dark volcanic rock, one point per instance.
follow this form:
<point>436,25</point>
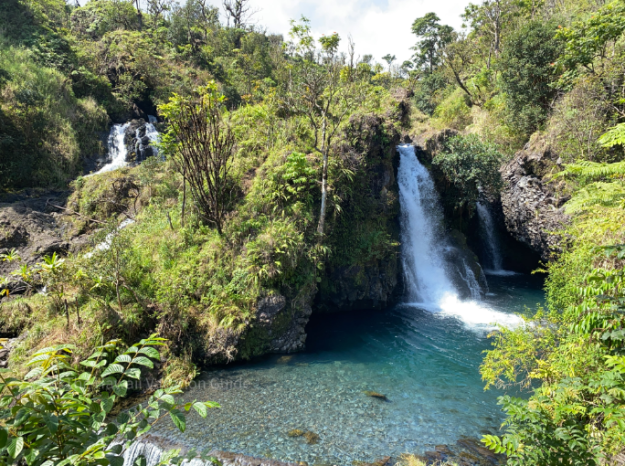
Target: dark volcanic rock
<point>32,225</point>
<point>533,210</point>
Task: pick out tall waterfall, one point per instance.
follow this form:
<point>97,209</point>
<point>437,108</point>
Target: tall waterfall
<point>421,232</point>
<point>116,148</point>
<point>427,280</point>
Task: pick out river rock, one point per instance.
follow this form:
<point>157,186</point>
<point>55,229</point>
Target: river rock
<point>532,207</point>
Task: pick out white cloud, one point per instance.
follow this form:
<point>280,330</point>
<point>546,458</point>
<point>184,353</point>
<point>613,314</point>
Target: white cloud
<point>377,26</point>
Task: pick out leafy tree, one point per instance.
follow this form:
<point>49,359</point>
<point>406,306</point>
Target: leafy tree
<point>575,416</point>
<point>63,413</point>
<point>318,91</point>
<point>201,144</point>
<point>528,73</point>
<point>389,59</point>
<point>432,39</point>
<point>469,166</point>
<point>429,56</point>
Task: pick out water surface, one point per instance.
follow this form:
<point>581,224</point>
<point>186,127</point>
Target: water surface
<point>425,362</point>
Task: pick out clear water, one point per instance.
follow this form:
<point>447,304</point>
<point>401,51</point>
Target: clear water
<point>425,362</point>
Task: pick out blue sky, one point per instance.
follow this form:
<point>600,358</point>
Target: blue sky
<point>377,26</point>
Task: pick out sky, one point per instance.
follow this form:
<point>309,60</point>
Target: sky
<point>378,27</point>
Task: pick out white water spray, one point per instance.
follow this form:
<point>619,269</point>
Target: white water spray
<point>423,241</point>
<point>116,149</point>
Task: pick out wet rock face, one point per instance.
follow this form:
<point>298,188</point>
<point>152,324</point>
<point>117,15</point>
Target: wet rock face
<point>361,281</point>
<point>360,287</point>
<point>5,353</point>
<point>34,228</point>
<point>138,142</point>
<point>465,270</point>
<point>532,209</point>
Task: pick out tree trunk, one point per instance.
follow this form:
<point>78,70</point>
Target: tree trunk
<point>184,199</point>
<point>324,179</point>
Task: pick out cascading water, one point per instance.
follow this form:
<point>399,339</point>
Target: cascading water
<point>421,219</point>
<point>116,147</point>
<point>487,227</point>
<point>425,269</point>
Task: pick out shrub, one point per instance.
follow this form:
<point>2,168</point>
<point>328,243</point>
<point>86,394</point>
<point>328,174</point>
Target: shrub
<point>62,413</point>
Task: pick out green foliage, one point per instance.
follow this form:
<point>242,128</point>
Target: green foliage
<point>615,136</point>
<point>63,413</point>
<point>432,39</point>
<point>469,166</point>
<point>587,42</point>
<point>528,73</point>
<point>44,129</point>
<point>574,416</point>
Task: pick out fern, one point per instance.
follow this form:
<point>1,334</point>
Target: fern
<point>615,136</point>
<point>586,171</point>
<point>597,194</point>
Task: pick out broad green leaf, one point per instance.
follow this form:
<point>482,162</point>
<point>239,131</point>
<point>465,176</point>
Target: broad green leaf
<point>133,373</point>
<point>123,358</point>
<point>15,447</point>
<point>52,423</point>
<point>179,420</point>
<point>3,437</point>
<point>113,369</point>
<point>150,352</point>
<point>121,388</point>
<point>201,409</point>
<point>143,361</point>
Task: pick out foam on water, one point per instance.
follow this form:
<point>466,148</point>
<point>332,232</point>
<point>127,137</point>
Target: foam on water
<point>116,147</point>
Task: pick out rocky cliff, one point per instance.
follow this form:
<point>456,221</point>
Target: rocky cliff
<point>532,208</point>
<point>363,270</point>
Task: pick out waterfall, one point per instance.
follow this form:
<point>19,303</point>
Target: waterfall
<point>428,283</point>
<point>492,242</point>
<point>151,133</point>
<point>146,136</point>
<point>489,233</point>
<point>421,232</point>
<point>116,148</point>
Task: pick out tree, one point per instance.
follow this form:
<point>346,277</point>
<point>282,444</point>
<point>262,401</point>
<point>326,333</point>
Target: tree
<point>388,58</point>
<point>469,166</point>
<point>63,414</point>
<point>239,11</point>
<point>528,73</point>
<point>201,144</point>
<point>432,39</point>
<point>316,90</point>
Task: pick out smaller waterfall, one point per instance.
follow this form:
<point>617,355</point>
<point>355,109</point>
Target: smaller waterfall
<point>146,135</point>
<point>491,241</point>
<point>151,133</point>
<point>116,147</point>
